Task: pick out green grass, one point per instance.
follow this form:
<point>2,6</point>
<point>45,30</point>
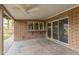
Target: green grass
<point>6,36</point>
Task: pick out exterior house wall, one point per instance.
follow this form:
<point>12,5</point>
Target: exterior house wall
<point>21,31</point>
<point>73,15</point>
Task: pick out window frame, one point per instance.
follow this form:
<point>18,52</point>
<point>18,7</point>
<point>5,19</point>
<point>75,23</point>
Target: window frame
<point>34,26</point>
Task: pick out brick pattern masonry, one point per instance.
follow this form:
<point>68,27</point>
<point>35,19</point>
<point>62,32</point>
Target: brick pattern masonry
<point>73,15</point>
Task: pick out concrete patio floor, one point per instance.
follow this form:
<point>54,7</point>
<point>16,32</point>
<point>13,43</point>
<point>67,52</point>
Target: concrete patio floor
<point>7,44</point>
<point>39,47</point>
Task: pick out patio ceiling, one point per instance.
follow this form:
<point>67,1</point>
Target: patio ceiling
<point>36,11</point>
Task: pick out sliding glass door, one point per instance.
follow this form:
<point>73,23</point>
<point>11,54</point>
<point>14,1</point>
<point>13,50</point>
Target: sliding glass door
<point>63,30</point>
<point>59,30</point>
<point>55,30</point>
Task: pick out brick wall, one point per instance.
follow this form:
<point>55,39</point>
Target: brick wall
<point>73,15</point>
<point>21,31</point>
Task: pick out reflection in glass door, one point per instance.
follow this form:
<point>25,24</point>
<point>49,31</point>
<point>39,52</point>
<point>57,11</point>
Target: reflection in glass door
<point>55,30</point>
<point>63,30</point>
<point>49,30</point>
<point>59,30</point>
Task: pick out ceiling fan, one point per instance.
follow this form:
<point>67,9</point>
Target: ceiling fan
<point>28,8</point>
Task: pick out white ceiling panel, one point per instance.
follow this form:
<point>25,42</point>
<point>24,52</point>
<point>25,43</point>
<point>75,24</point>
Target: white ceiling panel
<point>34,11</point>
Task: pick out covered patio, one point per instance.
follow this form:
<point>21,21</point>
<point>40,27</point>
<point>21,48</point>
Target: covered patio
<point>41,29</point>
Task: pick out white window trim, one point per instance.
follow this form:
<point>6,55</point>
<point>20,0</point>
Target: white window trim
<point>34,26</point>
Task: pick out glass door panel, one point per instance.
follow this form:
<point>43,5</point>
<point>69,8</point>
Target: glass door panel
<point>63,30</point>
<point>55,30</point>
<point>49,30</point>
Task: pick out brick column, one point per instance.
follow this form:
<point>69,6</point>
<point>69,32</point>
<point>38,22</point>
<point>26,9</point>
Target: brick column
<point>1,32</point>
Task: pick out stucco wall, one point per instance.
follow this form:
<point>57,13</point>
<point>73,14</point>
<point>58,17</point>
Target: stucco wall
<point>73,15</point>
<point>21,31</point>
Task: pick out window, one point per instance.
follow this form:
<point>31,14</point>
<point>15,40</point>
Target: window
<point>35,26</point>
<point>41,25</point>
<point>30,26</point>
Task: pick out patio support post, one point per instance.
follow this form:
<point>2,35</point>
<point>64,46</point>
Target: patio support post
<point>1,31</point>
